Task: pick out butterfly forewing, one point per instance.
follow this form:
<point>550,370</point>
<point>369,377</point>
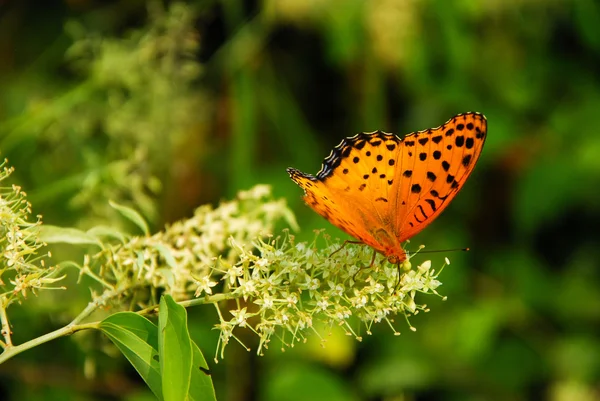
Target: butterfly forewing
<point>438,161</point>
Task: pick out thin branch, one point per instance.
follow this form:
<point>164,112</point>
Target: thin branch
<point>209,299</point>
<point>5,327</point>
<point>69,329</point>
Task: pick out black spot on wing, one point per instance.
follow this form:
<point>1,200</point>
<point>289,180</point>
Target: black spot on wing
<point>466,160</point>
<point>431,203</point>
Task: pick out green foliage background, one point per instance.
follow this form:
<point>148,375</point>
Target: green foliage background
<point>166,110</point>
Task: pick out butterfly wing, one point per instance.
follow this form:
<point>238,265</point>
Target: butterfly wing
<point>434,165</point>
<point>353,189</point>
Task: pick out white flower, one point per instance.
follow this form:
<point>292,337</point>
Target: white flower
<point>239,317</point>
<point>342,313</point>
<point>313,284</point>
<point>424,266</point>
<point>262,262</point>
<point>233,273</point>
<point>205,285</point>
<point>380,314</point>
<point>256,192</point>
<point>336,289</point>
<point>323,304</point>
<point>267,302</point>
<point>410,305</point>
<point>292,299</point>
<point>375,288</point>
<point>248,287</point>
<point>359,301</point>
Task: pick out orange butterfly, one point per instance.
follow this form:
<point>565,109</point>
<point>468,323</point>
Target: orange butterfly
<point>383,190</point>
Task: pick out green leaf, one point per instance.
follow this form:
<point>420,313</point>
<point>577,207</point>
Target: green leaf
<point>54,235</point>
<point>137,338</point>
<point>201,386</point>
<point>168,275</point>
<point>106,231</point>
<point>132,215</point>
<point>167,254</point>
<point>175,350</point>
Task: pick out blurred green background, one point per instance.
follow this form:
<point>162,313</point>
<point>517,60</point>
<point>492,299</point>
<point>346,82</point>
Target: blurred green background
<point>166,106</point>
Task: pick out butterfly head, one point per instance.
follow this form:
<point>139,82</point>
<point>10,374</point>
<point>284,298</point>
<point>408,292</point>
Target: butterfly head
<point>396,260</point>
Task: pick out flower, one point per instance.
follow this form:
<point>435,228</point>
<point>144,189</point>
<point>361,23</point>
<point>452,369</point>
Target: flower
<point>205,285</point>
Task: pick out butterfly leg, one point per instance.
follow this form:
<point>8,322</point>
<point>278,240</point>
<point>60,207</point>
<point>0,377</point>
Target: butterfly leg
<point>399,274</point>
<point>346,242</point>
<point>370,264</point>
<point>373,258</point>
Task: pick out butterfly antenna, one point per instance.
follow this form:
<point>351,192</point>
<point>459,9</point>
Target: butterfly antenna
<point>446,250</point>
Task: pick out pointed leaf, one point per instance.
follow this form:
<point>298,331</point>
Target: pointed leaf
<point>167,254</point>
<point>137,338</point>
<point>132,215</point>
<point>55,234</point>
<point>107,231</point>
<point>201,385</point>
<point>175,349</point>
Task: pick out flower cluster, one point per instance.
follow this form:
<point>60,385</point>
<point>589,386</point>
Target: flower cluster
<point>180,259</point>
<point>22,266</point>
<point>289,286</point>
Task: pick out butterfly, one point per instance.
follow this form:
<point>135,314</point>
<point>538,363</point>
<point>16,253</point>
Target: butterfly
<point>383,190</point>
